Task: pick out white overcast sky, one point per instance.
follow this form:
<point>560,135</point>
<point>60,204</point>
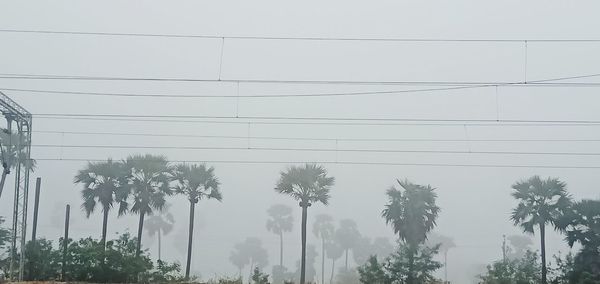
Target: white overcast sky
<point>475,201</point>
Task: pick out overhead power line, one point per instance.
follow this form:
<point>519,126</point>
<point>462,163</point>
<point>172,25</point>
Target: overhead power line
<point>290,38</point>
<point>320,150</point>
<point>440,123</point>
<point>356,163</point>
<point>299,81</point>
<point>314,119</point>
<point>341,139</point>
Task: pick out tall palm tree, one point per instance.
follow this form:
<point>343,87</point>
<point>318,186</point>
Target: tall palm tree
<point>149,178</point>
<point>412,213</point>
<point>10,155</point>
<point>323,228</point>
<point>281,220</point>
<point>307,184</point>
<point>541,202</point>
<point>582,224</point>
<point>196,182</point>
<point>103,184</point>
<point>160,224</point>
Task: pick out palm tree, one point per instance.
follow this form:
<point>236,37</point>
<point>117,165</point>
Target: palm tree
<point>149,182</point>
<point>196,182</point>
<point>347,236</point>
<point>11,145</point>
<point>412,213</point>
<point>540,202</point>
<point>582,224</point>
<point>281,220</point>
<point>307,184</point>
<point>334,252</point>
<point>323,228</point>
<point>159,225</point>
<point>103,183</point>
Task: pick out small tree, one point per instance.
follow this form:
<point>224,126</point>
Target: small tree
<point>372,272</point>
<point>258,277</point>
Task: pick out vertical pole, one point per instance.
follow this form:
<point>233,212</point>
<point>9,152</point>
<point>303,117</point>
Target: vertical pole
<point>65,242</point>
<point>36,205</point>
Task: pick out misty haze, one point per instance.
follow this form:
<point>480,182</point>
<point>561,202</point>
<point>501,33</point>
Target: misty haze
<point>329,142</point>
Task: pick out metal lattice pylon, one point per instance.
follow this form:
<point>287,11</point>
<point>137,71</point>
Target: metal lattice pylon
<point>15,114</point>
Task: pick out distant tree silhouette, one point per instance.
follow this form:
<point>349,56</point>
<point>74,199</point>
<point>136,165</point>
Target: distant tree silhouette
<point>250,252</point>
<point>323,228</point>
<point>382,247</point>
<point>334,252</point>
<point>280,221</point>
<point>347,236</point>
<point>103,183</point>
<point>445,243</point>
<point>149,182</point>
<point>520,244</point>
<point>160,224</point>
<point>363,250</point>
<point>541,202</point>
<point>196,182</point>
<point>307,184</point>
<point>412,212</point>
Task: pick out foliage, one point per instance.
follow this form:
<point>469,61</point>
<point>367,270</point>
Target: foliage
<point>582,223</point>
<point>164,273</point>
<point>412,212</point>
<point>526,270</point>
<point>413,264</point>
<point>308,183</point>
<point>103,183</point>
<point>540,202</point>
<point>121,265</point>
<point>43,262</point>
<point>196,182</point>
<point>372,272</point>
<point>149,178</point>
<point>4,234</point>
<point>406,265</point>
<point>258,277</point>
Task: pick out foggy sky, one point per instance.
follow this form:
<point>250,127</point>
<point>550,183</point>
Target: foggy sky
<point>475,201</point>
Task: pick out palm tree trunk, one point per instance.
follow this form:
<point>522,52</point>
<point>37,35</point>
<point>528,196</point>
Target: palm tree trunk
<point>139,236</point>
<point>3,180</point>
<point>159,245</point>
<point>445,266</point>
<point>543,252</point>
<point>281,249</point>
<point>104,227</point>
<point>322,260</point>
<point>303,260</point>
<point>347,259</point>
<point>410,278</point>
<point>190,238</point>
<point>332,271</point>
